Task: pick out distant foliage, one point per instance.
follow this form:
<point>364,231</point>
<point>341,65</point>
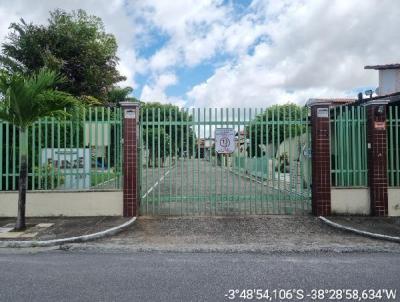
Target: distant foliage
<point>265,129</point>
<point>119,94</point>
<point>177,139</point>
<point>47,177</point>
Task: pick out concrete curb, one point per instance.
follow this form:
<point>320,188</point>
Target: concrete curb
<point>231,249</point>
<point>359,232</point>
<point>84,238</point>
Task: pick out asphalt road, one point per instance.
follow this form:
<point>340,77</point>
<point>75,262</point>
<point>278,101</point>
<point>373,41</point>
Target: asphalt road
<point>96,276</point>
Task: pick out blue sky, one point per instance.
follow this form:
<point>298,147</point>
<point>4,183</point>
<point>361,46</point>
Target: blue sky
<point>239,53</point>
<point>188,76</point>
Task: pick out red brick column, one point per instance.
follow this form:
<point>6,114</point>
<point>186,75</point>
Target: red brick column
<point>377,162</point>
<point>321,159</point>
<point>131,158</point>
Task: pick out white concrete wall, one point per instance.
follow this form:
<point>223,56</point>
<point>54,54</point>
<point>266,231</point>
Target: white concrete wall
<point>44,204</point>
<point>350,201</point>
<point>394,201</point>
<point>389,81</point>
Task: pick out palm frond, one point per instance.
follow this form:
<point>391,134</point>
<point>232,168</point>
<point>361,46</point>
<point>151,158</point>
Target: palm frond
<point>50,102</point>
<point>5,116</point>
<point>91,100</point>
<point>44,79</point>
<point>11,64</point>
<point>25,99</point>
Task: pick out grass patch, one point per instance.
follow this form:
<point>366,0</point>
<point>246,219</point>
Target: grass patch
<point>100,177</point>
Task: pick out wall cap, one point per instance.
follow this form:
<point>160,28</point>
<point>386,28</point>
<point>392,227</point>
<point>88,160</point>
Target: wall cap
<point>376,102</point>
<point>318,102</point>
<point>129,104</point>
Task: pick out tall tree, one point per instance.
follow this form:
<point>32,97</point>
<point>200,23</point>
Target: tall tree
<point>159,144</point>
<point>119,94</point>
<point>73,44</point>
<point>24,100</point>
<point>175,129</point>
<point>275,125</point>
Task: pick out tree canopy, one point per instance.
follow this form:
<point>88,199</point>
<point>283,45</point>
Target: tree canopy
<point>175,136</point>
<point>274,125</point>
<point>119,94</point>
<point>74,45</point>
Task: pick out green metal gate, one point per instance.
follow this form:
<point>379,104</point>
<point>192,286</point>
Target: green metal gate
<point>181,172</point>
<point>79,152</point>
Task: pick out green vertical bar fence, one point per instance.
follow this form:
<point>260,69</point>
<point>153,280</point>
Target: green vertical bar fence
<point>349,146</point>
<point>79,152</point>
<point>393,147</point>
<point>268,172</point>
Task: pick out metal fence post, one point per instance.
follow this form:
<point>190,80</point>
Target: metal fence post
<point>321,161</point>
<point>377,159</point>
<point>131,198</point>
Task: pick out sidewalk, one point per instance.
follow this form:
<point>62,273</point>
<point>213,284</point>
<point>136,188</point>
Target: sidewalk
<point>264,234</point>
<point>57,227</point>
<point>274,233</point>
<point>389,226</point>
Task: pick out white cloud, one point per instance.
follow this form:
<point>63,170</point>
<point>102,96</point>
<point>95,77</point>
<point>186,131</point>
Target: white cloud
<point>272,51</point>
<point>314,49</point>
<point>155,92</point>
<point>165,57</point>
<point>197,31</point>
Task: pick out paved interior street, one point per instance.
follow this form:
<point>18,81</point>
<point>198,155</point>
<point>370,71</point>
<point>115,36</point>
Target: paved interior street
<point>201,187</point>
<point>93,276</point>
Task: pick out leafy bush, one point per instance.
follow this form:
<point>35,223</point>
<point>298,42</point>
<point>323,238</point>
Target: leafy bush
<point>50,175</point>
<point>283,162</point>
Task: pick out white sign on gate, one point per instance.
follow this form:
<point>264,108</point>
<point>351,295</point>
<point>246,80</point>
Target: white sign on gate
<point>129,113</point>
<point>74,165</point>
<point>322,112</point>
<point>224,140</point>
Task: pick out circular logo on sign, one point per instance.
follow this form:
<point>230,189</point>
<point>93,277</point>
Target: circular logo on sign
<point>224,142</point>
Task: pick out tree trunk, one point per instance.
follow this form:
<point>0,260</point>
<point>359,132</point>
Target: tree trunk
<point>23,180</point>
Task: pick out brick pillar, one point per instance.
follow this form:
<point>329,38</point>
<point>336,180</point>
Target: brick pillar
<point>377,162</point>
<point>131,159</point>
<point>321,162</point>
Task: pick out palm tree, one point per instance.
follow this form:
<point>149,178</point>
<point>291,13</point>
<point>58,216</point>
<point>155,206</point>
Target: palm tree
<point>25,99</point>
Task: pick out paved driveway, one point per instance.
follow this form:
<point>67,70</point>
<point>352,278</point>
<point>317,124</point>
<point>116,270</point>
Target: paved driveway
<point>201,187</point>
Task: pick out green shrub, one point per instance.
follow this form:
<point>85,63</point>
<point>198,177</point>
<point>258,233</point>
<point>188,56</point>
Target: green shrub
<point>50,175</point>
